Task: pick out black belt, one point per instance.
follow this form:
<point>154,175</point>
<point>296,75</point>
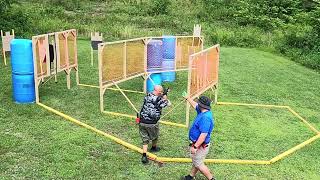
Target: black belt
<point>204,145</point>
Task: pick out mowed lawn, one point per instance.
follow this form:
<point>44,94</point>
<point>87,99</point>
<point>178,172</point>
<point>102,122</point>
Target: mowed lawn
<point>37,144</point>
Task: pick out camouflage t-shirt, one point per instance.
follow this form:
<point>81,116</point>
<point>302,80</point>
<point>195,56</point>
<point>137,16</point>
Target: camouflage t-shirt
<point>151,108</point>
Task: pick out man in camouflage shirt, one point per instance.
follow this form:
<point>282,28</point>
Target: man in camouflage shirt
<point>149,117</point>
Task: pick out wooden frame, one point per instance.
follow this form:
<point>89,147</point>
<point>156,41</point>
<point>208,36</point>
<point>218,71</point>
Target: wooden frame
<point>105,84</point>
<point>6,39</point>
<point>209,85</point>
<point>57,50</point>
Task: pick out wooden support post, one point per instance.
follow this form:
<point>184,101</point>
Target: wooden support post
<point>3,51</point>
<point>202,42</point>
<point>145,84</point>
<point>216,94</point>
<point>76,57</point>
<point>175,53</point>
<point>189,91</point>
<point>146,41</point>
<point>55,60</point>
<point>91,56</point>
<point>4,57</point>
<point>57,46</point>
<point>68,78</point>
<point>68,70</point>
<point>125,60</point>
<point>77,75</point>
<point>102,90</point>
<point>35,70</point>
<point>188,114</point>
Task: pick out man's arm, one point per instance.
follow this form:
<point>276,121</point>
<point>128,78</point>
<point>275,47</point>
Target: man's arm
<point>164,101</point>
<point>201,139</point>
<point>192,102</point>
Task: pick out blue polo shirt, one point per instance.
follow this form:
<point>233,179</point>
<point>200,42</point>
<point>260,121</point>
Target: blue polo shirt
<point>203,123</point>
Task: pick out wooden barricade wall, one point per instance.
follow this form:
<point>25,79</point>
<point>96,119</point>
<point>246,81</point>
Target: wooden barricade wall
<point>203,70</point>
<point>123,60</point>
<point>203,74</point>
<point>64,51</point>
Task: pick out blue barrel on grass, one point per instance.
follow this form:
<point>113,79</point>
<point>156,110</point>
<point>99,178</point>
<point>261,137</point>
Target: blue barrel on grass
<point>22,71</point>
<point>156,80</point>
<point>168,65</point>
<point>21,56</point>
<point>154,55</point>
<point>169,47</point>
<point>23,88</point>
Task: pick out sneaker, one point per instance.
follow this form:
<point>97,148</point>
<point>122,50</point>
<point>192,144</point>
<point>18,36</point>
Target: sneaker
<point>144,160</point>
<point>154,149</point>
<point>188,177</point>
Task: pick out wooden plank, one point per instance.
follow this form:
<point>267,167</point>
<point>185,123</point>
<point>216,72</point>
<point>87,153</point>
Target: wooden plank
<point>91,56</point>
<point>189,91</point>
<point>47,55</point>
<point>122,80</point>
<point>125,59</point>
<point>208,49</point>
<point>76,57</point>
<point>56,36</point>
<point>129,101</point>
<point>101,88</point>
<point>35,71</point>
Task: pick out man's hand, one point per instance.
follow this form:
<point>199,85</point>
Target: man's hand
<point>165,97</point>
<point>191,101</point>
<point>185,95</point>
<point>165,91</point>
<point>193,150</point>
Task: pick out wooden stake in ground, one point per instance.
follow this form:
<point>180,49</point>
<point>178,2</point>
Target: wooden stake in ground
<point>6,39</point>
<point>96,38</point>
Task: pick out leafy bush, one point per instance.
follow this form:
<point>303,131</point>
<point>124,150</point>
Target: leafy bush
<point>158,7</point>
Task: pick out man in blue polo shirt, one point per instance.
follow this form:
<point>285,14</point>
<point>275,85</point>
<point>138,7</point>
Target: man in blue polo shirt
<point>199,135</point>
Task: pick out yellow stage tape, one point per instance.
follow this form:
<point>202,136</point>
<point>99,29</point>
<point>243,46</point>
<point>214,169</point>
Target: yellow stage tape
<point>218,161</point>
<point>180,160</point>
<point>87,85</point>
<point>119,114</point>
<point>117,140</point>
<point>245,104</point>
<point>290,151</point>
<point>126,90</point>
<point>303,120</point>
<point>133,117</point>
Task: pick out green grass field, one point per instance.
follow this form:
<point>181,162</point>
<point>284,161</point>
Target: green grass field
<point>37,144</point>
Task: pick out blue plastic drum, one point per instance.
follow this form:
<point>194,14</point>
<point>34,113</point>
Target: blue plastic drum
<point>169,47</point>
<point>168,76</point>
<point>21,56</point>
<point>154,55</point>
<point>157,80</point>
<point>23,88</point>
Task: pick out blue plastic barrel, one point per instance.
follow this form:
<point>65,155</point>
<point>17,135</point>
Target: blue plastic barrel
<point>156,78</point>
<point>168,65</point>
<point>23,88</point>
<point>154,55</point>
<point>21,56</point>
<point>169,47</point>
